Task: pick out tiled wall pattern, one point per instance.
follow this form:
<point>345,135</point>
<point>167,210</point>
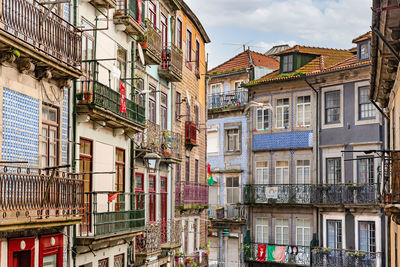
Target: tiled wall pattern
<point>282,140</point>
<point>64,130</point>
<point>20,128</point>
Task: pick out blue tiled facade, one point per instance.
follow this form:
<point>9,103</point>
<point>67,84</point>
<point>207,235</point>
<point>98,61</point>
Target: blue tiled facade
<point>64,130</point>
<point>282,140</point>
<point>20,128</point>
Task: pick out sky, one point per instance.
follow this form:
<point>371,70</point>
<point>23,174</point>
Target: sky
<point>261,24</point>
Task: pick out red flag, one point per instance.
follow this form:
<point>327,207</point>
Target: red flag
<point>261,252</point>
<point>112,196</point>
<point>139,2</point>
<point>123,98</point>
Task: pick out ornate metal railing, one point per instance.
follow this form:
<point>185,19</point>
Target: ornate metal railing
<point>279,193</point>
<point>191,194</point>
<point>357,194</point>
<point>196,258</point>
<point>31,193</point>
<point>95,93</point>
<point>227,212</point>
<point>172,144</point>
<point>110,213</point>
<point>227,99</point>
<point>172,59</point>
<point>289,254</point>
<point>30,22</point>
<point>153,37</point>
<point>346,258</point>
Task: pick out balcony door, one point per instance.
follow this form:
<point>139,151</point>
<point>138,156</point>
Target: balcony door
<point>334,234</point>
<point>164,30</point>
<point>367,237</point>
<point>120,178</point>
<point>164,208</point>
<point>86,167</point>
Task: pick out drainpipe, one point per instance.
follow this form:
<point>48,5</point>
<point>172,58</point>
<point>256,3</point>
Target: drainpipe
<point>132,163</point>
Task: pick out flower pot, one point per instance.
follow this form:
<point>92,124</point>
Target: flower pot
<point>144,45</point>
<point>167,153</point>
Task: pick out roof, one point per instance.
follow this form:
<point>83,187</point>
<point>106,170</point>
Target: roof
<point>186,9</point>
<point>276,49</point>
<point>363,37</point>
<point>312,50</point>
<point>335,60</point>
<point>244,60</point>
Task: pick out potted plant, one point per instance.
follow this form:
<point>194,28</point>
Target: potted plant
<point>142,40</point>
<point>166,144</point>
<point>189,260</point>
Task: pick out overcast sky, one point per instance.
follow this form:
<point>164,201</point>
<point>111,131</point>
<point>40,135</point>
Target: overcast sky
<point>261,24</point>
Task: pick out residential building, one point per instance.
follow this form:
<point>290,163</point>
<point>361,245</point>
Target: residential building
<point>317,184</point>
<point>227,152</point>
<point>40,198</point>
<point>385,81</point>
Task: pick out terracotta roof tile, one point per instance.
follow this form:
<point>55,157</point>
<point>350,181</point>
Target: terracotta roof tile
<point>243,60</point>
<point>311,50</point>
<point>363,37</point>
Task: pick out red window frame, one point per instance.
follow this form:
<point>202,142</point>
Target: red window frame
<point>47,249</point>
<point>164,206</point>
<point>152,199</point>
<point>139,191</point>
<point>14,245</point>
<point>179,30</point>
<point>120,256</point>
<point>86,225</point>
<point>153,14</point>
<point>164,30</point>
<point>119,179</point>
<point>103,262</point>
<point>187,169</point>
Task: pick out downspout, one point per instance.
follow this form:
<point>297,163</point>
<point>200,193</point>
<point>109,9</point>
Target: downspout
<point>132,163</point>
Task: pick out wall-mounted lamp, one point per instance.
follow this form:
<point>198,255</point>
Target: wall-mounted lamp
<point>82,118</point>
<point>152,160</point>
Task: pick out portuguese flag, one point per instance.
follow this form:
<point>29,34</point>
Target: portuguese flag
<point>210,179</point>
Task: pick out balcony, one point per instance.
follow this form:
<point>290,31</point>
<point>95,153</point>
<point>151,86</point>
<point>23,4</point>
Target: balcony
<point>34,198</point>
<point>227,213</point>
<point>278,194</point>
<point>151,44</point>
<point>128,17</point>
<point>171,146</point>
<point>283,254</point>
<point>346,258</point>
<point>110,214</point>
<point>190,134</point>
<point>190,195</point>
<point>103,104</point>
<point>225,100</point>
<point>171,65</point>
<point>104,3</point>
<point>40,38</point>
<point>195,259</point>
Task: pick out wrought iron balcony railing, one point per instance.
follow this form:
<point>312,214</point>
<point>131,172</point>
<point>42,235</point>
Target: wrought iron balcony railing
<point>193,259</point>
<point>172,145</point>
<point>31,23</point>
<point>289,254</point>
<point>172,62</point>
<point>327,194</point>
<point>127,13</point>
<point>29,194</point>
<point>96,94</point>
<point>190,194</point>
<point>228,99</point>
<point>108,213</point>
<point>322,257</point>
<point>227,212</point>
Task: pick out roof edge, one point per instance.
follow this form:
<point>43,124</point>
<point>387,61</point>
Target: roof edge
<point>195,20</point>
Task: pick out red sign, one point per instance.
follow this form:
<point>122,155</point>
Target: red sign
<point>261,252</point>
<point>123,98</point>
<point>139,2</point>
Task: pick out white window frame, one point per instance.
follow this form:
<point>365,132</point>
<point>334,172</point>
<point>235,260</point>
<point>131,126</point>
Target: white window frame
<point>281,170</point>
<point>282,227</point>
<point>286,66</point>
<point>337,217</point>
<point>214,86</point>
<point>264,228</point>
<point>323,91</point>
<point>263,119</point>
<point>281,109</point>
<point>234,85</point>
<point>264,170</point>
<point>298,122</point>
<point>378,227</point>
<point>357,120</point>
<point>303,168</point>
<point>377,161</point>
<point>237,144</point>
<point>333,152</point>
<point>232,188</point>
<point>302,228</point>
<point>214,129</point>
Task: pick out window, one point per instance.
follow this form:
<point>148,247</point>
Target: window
<point>334,234</point>
<point>364,51</point>
<point>196,114</point>
<point>282,231</point>
<point>188,49</point>
<point>195,233</point>
<point>303,172</point>
<point>152,105</point>
<point>333,171</point>
<point>232,190</point>
<point>213,141</point>
<point>120,177</point>
<point>262,120</point>
<point>86,166</point>
<point>332,107</point>
<point>164,206</point>
<point>215,88</point>
<point>287,65</point>
<point>262,172</point>
<point>197,53</point>
<point>186,236</point>
<point>49,138</point>
<point>233,140</point>
<point>304,111</point>
<point>179,32</point>
<point>119,260</point>
<point>121,62</point>
<point>164,30</point>
<point>139,189</point>
<point>261,230</point>
<point>237,85</point>
<point>282,172</point>
<point>282,113</point>
<point>196,170</point>
<point>303,232</point>
<point>152,198</point>
<point>152,14</point>
<point>366,235</point>
<point>365,170</point>
<point>178,106</point>
<point>164,111</point>
<point>103,263</point>
<point>366,109</point>
<point>87,52</point>
<point>187,169</point>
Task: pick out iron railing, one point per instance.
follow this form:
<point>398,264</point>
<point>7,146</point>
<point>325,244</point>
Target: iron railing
<point>326,257</point>
<point>191,194</point>
<point>31,193</point>
<point>227,212</point>
<point>289,254</point>
<point>329,194</point>
<point>198,258</point>
<point>110,213</point>
<point>31,23</point>
<point>228,99</point>
<point>172,59</point>
<point>154,41</point>
<point>172,144</point>
<point>95,93</point>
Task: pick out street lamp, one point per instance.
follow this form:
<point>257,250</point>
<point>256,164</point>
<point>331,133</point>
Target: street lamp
<point>152,160</point>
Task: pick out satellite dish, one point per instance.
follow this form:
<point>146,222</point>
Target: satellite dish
<point>188,98</point>
<point>141,55</point>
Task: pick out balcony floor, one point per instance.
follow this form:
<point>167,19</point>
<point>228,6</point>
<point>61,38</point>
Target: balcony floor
<point>38,223</point>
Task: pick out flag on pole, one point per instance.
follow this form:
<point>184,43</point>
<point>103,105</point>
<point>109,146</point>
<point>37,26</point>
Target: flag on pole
<point>261,249</point>
<point>210,179</point>
<point>123,98</point>
<point>112,196</point>
<point>139,3</point>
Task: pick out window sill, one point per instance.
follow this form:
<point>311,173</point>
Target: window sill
<point>231,153</point>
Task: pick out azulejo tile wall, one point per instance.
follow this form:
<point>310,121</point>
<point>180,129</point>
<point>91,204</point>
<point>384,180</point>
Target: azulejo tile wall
<point>64,130</point>
<point>282,140</point>
<point>20,128</point>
